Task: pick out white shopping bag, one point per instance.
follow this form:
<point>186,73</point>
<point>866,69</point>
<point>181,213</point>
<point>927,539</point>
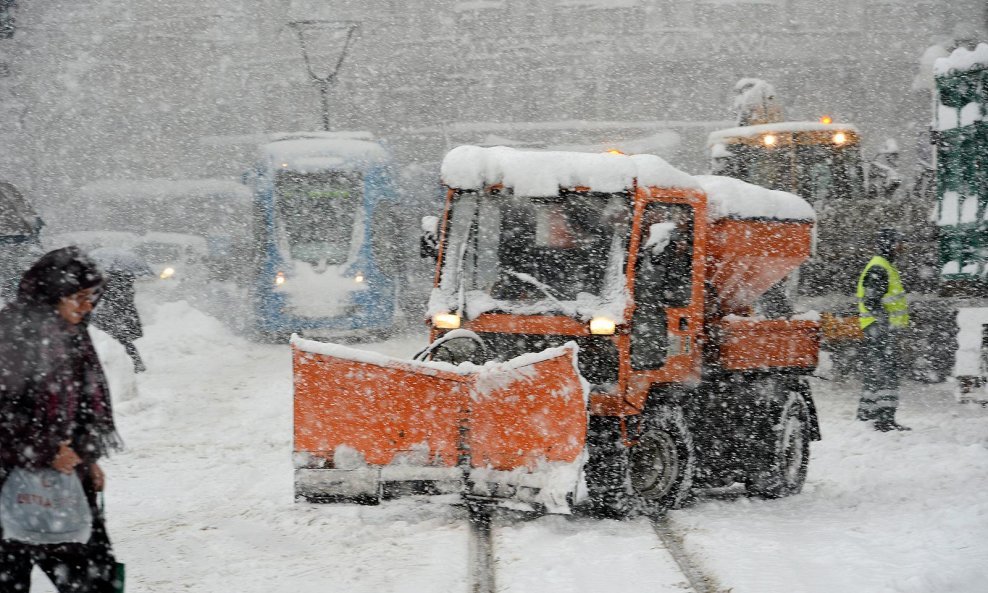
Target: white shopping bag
<point>44,506</point>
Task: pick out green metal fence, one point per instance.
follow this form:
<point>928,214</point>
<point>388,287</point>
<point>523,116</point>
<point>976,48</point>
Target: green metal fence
<point>962,175</point>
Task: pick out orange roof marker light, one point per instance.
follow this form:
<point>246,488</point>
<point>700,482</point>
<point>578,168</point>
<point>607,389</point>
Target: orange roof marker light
<point>826,119</point>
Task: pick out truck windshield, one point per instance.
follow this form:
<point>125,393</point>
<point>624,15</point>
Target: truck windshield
<point>316,214</point>
<point>534,255</point>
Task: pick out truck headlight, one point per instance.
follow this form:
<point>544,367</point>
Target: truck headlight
<point>446,320</point>
<point>602,326</point>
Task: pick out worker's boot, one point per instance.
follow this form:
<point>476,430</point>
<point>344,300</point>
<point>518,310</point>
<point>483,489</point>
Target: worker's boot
<point>885,421</point>
<point>866,410</point>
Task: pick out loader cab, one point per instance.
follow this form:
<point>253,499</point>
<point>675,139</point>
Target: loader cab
<point>820,162</point>
<point>618,273</point>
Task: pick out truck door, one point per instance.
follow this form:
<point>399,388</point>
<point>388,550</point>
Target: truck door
<point>663,335</point>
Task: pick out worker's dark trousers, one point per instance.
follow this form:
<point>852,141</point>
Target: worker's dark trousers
<point>879,373</point>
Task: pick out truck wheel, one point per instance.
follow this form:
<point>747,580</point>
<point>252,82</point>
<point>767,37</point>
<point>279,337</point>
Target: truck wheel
<point>784,469</point>
<point>662,463</point>
<point>606,470</point>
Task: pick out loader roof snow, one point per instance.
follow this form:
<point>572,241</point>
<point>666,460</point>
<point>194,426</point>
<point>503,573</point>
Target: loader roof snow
<point>543,173</point>
<point>720,136</point>
<point>733,198</point>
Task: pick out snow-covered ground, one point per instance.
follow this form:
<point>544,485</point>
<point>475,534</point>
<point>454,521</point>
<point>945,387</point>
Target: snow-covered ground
<point>201,500</point>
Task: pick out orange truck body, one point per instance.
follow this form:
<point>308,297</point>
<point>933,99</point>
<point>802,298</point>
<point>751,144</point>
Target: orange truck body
<point>461,418</point>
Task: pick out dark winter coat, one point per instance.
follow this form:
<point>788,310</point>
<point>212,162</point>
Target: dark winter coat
<point>116,313</point>
<point>52,387</point>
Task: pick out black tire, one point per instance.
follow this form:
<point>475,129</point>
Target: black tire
<point>662,464</point>
<point>606,470</point>
<point>783,468</point>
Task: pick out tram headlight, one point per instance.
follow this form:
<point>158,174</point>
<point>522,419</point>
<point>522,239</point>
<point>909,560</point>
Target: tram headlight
<point>602,326</point>
<point>446,320</point>
<point>279,279</point>
<point>167,273</point>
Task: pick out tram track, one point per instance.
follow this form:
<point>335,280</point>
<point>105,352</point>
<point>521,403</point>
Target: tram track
<point>482,563</point>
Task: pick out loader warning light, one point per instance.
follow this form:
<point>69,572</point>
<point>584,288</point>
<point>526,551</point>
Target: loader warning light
<point>826,119</point>
<point>769,139</point>
<point>602,326</point>
<point>446,320</point>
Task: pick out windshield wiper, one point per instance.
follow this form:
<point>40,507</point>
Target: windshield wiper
<point>545,288</point>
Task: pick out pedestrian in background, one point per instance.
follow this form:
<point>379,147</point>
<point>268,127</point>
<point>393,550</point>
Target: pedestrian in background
<point>55,413</point>
<point>117,314</point>
<point>882,312</point>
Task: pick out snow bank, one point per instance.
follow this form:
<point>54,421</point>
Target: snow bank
<point>733,198</point>
<point>117,366</point>
<point>201,499</point>
<point>970,323</point>
<point>962,59</point>
<point>534,173</point>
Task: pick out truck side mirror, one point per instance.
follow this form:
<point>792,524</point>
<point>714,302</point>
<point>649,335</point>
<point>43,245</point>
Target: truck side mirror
<point>429,242</point>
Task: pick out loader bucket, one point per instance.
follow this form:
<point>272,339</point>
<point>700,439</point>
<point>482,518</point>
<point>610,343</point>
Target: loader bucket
<point>364,420</point>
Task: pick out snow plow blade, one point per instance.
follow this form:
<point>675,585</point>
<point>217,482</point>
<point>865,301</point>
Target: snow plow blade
<point>368,426</point>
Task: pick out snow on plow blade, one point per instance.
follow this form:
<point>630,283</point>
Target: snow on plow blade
<point>364,421</point>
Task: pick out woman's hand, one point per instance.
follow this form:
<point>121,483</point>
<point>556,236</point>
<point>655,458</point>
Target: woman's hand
<point>97,476</point>
<point>66,459</point>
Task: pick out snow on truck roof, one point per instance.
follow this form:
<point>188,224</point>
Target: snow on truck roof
<point>542,173</point>
<point>962,59</point>
<point>779,128</point>
<point>313,151</point>
<point>732,198</point>
<point>535,173</point>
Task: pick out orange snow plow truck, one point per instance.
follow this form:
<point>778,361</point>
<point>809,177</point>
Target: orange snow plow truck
<point>607,331</point>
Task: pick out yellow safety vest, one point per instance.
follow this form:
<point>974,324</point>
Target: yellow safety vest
<point>894,301</point>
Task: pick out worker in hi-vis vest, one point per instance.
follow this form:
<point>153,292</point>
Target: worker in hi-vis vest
<point>883,313</point>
